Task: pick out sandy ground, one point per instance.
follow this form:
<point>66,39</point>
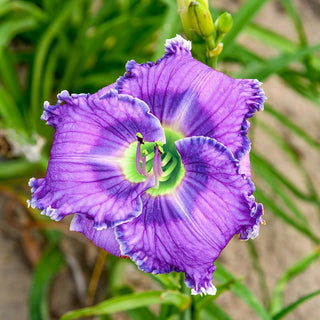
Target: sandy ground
<point>14,275</point>
<point>279,246</point>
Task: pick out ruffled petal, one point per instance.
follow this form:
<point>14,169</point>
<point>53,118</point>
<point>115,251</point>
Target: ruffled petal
<point>186,229</point>
<point>245,167</point>
<point>105,238</point>
<point>193,99</point>
<point>85,172</point>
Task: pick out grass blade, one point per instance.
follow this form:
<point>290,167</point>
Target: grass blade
<point>11,27</point>
<point>238,288</point>
<point>214,312</point>
<point>49,264</point>
<point>171,25</point>
<point>302,84</point>
<point>132,301</point>
<point>241,19</point>
<point>25,7</point>
<point>142,313</point>
<point>294,305</point>
<point>256,263</point>
<point>269,172</point>
<point>270,204</point>
<point>271,38</point>
<point>293,14</point>
<point>293,127</point>
<point>16,168</point>
<point>8,75</point>
<point>10,113</point>
<point>40,55</point>
<point>263,70</point>
<point>277,300</point>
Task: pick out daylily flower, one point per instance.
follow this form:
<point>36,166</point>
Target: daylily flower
<point>156,166</point>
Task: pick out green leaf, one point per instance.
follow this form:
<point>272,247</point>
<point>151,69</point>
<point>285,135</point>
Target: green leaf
<point>261,275</point>
<point>294,305</point>
<point>53,30</point>
<point>142,313</point>
<point>277,41</point>
<point>273,176</point>
<point>262,70</point>
<point>283,120</point>
<point>51,67</point>
<point>14,7</point>
<point>168,311</point>
<point>132,301</point>
<point>270,38</point>
<point>278,187</point>
<point>16,168</point>
<point>10,113</point>
<point>48,266</point>
<point>269,174</point>
<point>302,84</point>
<point>9,76</point>
<point>169,28</point>
<point>241,19</point>
<point>238,288</point>
<point>10,27</point>
<point>214,312</point>
<point>201,302</point>
<point>169,281</point>
<point>280,213</point>
<point>277,298</point>
<point>293,14</point>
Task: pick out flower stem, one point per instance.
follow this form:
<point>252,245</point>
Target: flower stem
<point>186,314</point>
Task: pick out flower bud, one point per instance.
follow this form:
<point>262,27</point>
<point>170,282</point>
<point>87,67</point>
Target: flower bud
<point>224,23</point>
<point>183,6</point>
<point>200,19</point>
<point>196,19</point>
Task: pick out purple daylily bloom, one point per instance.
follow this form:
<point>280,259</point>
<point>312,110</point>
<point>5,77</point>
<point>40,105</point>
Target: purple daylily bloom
<point>156,166</point>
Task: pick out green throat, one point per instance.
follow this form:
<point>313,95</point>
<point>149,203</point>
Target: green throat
<point>153,160</point>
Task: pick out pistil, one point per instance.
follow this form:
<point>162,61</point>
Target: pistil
<point>157,170</point>
<point>155,164</point>
<point>139,158</point>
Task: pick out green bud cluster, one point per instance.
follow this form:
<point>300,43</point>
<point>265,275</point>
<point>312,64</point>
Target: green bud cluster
<point>199,27</point>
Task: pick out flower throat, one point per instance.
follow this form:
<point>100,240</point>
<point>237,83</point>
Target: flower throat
<point>156,163</point>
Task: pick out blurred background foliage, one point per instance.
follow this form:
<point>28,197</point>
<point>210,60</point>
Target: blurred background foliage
<point>80,45</point>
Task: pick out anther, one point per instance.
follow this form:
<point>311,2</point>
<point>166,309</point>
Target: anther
<point>140,138</point>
